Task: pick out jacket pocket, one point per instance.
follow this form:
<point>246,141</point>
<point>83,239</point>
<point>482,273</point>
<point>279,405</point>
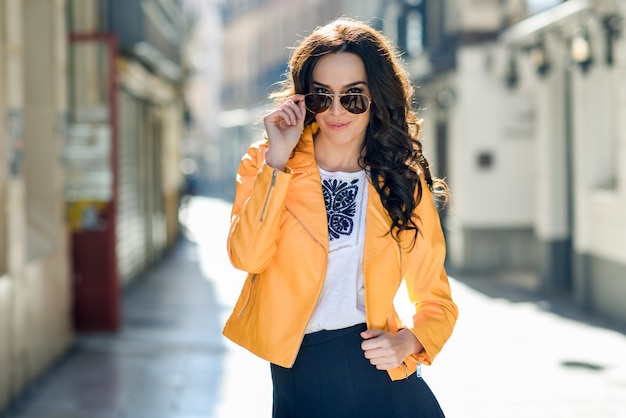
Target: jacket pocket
<point>246,303</point>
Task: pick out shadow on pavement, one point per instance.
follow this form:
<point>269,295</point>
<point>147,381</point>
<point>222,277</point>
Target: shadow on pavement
<point>524,287</point>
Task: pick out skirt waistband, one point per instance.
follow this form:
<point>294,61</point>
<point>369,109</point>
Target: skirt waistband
<point>319,337</point>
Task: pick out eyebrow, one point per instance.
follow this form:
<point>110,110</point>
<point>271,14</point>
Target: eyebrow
<point>347,86</point>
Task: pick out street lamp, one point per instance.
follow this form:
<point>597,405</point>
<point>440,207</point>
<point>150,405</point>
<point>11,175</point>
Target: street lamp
<point>580,50</point>
<point>539,57</point>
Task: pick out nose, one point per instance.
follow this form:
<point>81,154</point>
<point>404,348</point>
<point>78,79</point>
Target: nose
<point>335,107</point>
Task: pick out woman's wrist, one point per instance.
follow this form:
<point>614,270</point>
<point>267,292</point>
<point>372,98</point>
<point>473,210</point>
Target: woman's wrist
<point>415,345</point>
<point>276,160</point>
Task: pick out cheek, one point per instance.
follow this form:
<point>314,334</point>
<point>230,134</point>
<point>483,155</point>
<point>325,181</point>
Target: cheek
<point>366,119</point>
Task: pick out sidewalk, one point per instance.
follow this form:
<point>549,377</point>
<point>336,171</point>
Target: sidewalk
<point>511,355</point>
<point>514,354</point>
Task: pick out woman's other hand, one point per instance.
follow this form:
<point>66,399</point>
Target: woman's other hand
<point>386,350</point>
<point>283,126</point>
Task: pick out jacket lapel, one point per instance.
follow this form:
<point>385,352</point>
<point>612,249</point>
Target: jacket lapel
<point>306,203</point>
<point>377,226</point>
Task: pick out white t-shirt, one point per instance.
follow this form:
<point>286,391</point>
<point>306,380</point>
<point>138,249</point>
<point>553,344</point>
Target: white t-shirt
<point>341,303</point>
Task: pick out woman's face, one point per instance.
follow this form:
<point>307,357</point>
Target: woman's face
<point>341,73</point>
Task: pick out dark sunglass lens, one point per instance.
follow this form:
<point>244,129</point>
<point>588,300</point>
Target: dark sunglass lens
<point>317,103</point>
<point>355,103</point>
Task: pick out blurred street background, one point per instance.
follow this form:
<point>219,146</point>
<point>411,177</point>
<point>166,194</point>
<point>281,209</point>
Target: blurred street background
<point>123,123</point>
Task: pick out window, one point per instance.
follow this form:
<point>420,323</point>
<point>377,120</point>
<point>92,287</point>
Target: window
<point>414,33</point>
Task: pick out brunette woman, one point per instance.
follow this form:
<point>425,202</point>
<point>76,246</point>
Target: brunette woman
<point>333,212</point>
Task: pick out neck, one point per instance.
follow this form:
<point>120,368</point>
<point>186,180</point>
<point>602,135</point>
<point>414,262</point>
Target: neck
<point>333,157</point>
<point>338,162</point>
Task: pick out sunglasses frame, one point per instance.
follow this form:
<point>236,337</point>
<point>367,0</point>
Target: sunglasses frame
<point>340,96</point>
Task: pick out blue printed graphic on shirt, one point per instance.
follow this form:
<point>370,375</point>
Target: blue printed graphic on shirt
<point>340,199</point>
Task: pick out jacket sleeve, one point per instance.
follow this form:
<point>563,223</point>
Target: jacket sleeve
<point>256,214</point>
<point>427,282</point>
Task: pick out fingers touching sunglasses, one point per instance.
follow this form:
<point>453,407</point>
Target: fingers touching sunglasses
<point>355,103</point>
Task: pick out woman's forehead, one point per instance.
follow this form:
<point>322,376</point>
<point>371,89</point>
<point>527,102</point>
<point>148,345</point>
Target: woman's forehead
<point>343,69</point>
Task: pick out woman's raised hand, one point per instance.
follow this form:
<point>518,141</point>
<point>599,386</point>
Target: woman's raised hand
<point>284,126</point>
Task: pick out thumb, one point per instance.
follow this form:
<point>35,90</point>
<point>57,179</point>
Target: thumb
<point>371,333</point>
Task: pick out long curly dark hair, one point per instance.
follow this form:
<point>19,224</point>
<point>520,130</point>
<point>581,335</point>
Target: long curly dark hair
<point>391,149</point>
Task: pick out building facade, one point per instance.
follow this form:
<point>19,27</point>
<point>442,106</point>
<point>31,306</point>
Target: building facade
<point>453,54</point>
<point>123,150</point>
<point>522,107</point>
<point>576,55</point>
<point>35,272</point>
<point>91,118</point>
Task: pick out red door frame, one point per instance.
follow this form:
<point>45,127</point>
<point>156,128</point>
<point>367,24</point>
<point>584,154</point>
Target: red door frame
<point>96,298</point>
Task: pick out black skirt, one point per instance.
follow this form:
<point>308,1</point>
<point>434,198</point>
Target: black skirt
<point>332,378</point>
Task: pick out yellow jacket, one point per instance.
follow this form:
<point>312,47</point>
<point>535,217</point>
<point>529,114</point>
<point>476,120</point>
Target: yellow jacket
<point>279,235</point>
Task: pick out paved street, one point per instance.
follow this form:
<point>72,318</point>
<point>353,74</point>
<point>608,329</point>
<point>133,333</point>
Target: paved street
<point>512,354</point>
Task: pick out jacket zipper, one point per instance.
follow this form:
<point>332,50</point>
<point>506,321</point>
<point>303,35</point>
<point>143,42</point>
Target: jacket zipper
<point>269,192</point>
<point>404,365</point>
<point>405,369</point>
<point>418,365</point>
<point>243,310</point>
<point>310,313</point>
<point>401,260</point>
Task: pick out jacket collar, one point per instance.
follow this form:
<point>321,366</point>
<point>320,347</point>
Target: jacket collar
<point>303,160</point>
<point>306,202</point>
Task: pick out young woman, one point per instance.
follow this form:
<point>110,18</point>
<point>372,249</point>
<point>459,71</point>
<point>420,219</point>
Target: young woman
<point>333,212</point>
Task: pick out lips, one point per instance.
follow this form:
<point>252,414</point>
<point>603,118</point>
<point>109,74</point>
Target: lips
<point>337,125</point>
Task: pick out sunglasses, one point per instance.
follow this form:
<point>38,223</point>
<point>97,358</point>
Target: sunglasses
<point>355,103</point>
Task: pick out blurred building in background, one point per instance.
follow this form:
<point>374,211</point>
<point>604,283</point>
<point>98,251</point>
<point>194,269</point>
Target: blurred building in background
<point>201,162</point>
<point>522,104</point>
<point>476,131</point>
<point>122,152</point>
<point>569,61</point>
<point>91,97</point>
<point>35,271</point>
